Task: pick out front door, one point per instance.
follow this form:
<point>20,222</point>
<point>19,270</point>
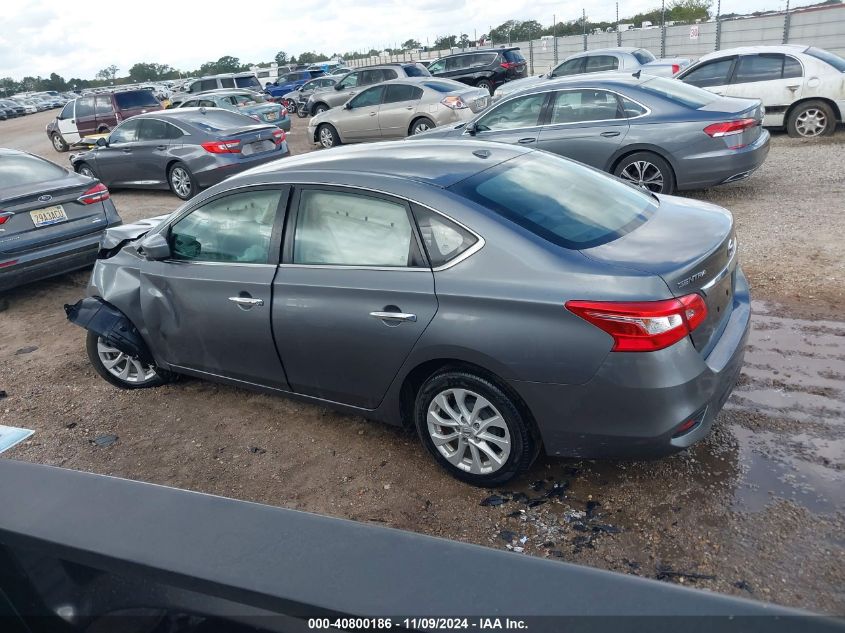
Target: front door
<point>67,123</point>
<point>514,121</point>
<point>207,308</point>
<point>114,162</point>
<point>360,121</point>
<point>586,125</point>
<point>353,296</point>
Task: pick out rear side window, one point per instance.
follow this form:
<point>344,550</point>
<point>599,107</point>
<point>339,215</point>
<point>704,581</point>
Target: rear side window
<point>443,239</point>
<point>85,107</point>
<point>643,56</point>
<point>401,92</point>
<point>575,106</point>
<point>792,67</point>
<point>753,68</point>
<point>601,63</point>
<point>247,82</point>
<point>715,73</point>
<point>558,200</point>
<point>135,99</point>
<point>205,84</point>
<point>155,130</point>
<point>827,57</point>
<point>483,59</point>
<point>104,106</point>
<point>441,87</point>
<point>23,169</point>
<point>416,70</point>
<point>514,57</point>
<point>678,91</point>
<point>227,82</point>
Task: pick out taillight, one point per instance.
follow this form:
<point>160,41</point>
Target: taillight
<point>278,136</point>
<point>255,116</point>
<point>284,112</point>
<point>643,326</point>
<point>97,193</point>
<point>730,128</point>
<point>4,217</point>
<point>456,103</point>
<point>509,65</point>
<point>222,147</point>
<point>118,117</point>
<point>675,68</point>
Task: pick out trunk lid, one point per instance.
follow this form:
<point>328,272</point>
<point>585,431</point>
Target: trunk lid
<point>692,246</point>
<point>255,139</point>
<point>732,109</point>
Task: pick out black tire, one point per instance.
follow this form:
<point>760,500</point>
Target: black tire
<point>523,445</point>
<point>302,111</point>
<point>487,85</point>
<point>327,136</point>
<point>645,164</point>
<point>85,170</point>
<point>160,376</point>
<point>181,181</point>
<point>811,119</point>
<point>319,108</point>
<point>58,142</point>
<point>104,130</point>
<point>423,124</point>
<point>289,104</point>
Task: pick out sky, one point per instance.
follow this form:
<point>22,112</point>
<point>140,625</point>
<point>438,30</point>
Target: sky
<point>77,38</point>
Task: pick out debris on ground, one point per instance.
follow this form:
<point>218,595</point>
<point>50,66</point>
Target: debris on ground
<point>256,450</point>
<point>744,585</point>
<point>493,500</point>
<point>70,425</point>
<point>507,536</point>
<point>3,394</point>
<point>104,440</point>
<point>665,572</point>
<point>26,350</point>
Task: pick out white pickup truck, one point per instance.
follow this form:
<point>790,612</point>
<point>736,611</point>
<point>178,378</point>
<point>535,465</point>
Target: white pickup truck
<point>622,59</point>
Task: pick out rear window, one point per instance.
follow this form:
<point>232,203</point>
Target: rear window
<point>247,82</point>
<point>135,99</point>
<point>416,70</point>
<point>22,169</point>
<point>216,120</point>
<point>440,86</point>
<point>643,56</point>
<point>826,56</point>
<point>514,56</point>
<point>563,202</point>
<point>679,92</point>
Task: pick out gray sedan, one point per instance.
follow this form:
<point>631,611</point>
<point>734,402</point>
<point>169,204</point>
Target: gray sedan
<point>655,132</point>
<point>184,149</point>
<point>51,219</point>
<point>500,299</point>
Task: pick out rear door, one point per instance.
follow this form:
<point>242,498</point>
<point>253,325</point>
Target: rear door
<point>86,116</point>
<point>586,125</point>
<point>208,306</point>
<point>361,121</point>
<point>776,79</point>
<point>398,108</point>
<point>353,295</point>
<point>516,120</point>
<point>40,205</point>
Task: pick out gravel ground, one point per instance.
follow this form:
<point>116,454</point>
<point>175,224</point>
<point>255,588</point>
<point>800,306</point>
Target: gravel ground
<point>755,510</point>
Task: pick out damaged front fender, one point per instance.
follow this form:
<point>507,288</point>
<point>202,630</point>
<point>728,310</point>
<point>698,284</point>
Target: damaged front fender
<point>102,318</point>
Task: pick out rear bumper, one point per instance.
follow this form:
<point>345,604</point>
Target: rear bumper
<point>636,401</point>
<point>722,166</point>
<point>225,166</point>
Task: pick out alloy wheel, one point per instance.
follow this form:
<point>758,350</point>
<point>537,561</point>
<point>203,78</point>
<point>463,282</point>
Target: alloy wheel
<point>468,431</point>
<point>811,122</point>
<point>58,143</point>
<point>85,170</point>
<point>181,181</point>
<point>421,127</point>
<point>122,366</point>
<point>326,138</point>
<point>644,174</point>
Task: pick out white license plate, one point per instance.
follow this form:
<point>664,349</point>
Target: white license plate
<point>48,215</point>
<point>481,103</point>
<point>272,116</point>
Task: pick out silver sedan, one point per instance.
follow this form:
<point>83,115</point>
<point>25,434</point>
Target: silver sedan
<point>397,108</point>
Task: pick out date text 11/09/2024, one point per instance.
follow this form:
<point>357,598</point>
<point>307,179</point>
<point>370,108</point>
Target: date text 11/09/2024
<point>413,624</point>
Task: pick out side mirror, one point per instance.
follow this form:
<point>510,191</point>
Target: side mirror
<point>337,86</point>
<point>155,247</point>
<point>348,105</point>
<point>472,128</point>
<point>102,142</point>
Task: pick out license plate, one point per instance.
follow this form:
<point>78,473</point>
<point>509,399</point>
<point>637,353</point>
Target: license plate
<point>481,103</point>
<point>272,116</point>
<point>257,147</point>
<point>48,215</point>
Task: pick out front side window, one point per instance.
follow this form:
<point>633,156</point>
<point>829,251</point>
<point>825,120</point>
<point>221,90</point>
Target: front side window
<point>350,81</point>
<point>344,229</point>
<point>715,73</point>
<point>235,228</point>
<point>125,132</point>
<point>559,200</point>
<point>753,68</point>
<point>443,239</point>
<point>247,82</point>
<point>369,97</point>
<point>575,106</point>
<point>67,111</point>
<point>571,67</point>
<point>438,66</point>
<point>601,63</point>
<point>515,113</point>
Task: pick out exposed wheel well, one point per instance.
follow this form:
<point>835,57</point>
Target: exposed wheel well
<point>829,102</point>
<point>417,376</point>
<point>649,150</point>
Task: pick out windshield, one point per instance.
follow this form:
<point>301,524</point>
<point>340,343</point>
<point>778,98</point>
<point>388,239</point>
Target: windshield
<point>826,56</point>
<point>679,92</point>
<point>561,201</point>
<point>135,99</point>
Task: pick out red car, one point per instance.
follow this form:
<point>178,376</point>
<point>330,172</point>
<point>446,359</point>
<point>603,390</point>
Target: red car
<point>97,114</point>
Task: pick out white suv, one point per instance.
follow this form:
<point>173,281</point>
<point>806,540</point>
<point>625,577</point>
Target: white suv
<point>801,87</point>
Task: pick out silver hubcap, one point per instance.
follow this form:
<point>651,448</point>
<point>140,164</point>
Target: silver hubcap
<point>319,109</point>
<point>86,171</point>
<point>123,366</point>
<point>181,182</point>
<point>57,141</point>
<point>420,127</point>
<point>326,138</point>
<point>468,431</point>
<point>811,122</point>
<point>644,174</point>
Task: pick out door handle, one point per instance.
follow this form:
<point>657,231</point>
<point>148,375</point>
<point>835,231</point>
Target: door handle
<point>373,113</point>
<point>247,301</point>
<point>161,147</point>
<point>526,140</point>
<point>609,134</point>
<point>793,88</point>
<point>127,151</point>
<point>394,316</point>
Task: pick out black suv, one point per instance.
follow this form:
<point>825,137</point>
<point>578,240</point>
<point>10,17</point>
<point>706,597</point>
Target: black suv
<point>487,68</point>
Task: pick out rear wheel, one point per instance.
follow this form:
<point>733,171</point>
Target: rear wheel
<point>487,85</point>
<point>647,170</point>
<point>328,136</point>
<point>302,111</point>
<point>182,181</point>
<point>320,107</point>
<point>423,124</point>
<point>120,369</point>
<point>811,119</point>
<point>290,104</point>
<point>84,170</point>
<point>473,428</point>
<point>58,142</point>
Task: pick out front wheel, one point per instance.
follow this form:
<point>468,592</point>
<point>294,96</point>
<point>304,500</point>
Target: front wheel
<point>120,369</point>
<point>302,111</point>
<point>182,181</point>
<point>58,142</point>
<point>328,136</point>
<point>810,120</point>
<point>648,171</point>
<point>85,170</point>
<point>473,428</point>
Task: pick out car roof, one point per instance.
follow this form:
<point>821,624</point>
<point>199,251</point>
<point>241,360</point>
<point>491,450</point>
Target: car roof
<point>612,49</point>
<point>438,162</point>
<point>483,50</point>
<point>598,80</point>
<point>752,50</point>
